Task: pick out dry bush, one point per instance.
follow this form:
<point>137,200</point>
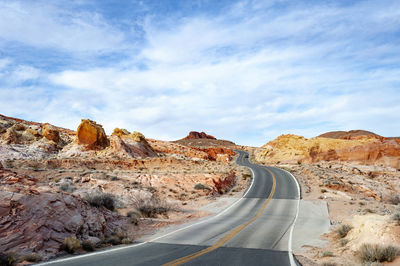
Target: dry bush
<point>374,252</point>
<point>395,200</point>
<point>88,245</point>
<point>343,242</point>
<point>152,206</point>
<point>396,217</point>
<point>102,200</point>
<point>115,238</point>
<point>134,217</point>
<point>32,257</point>
<point>201,186</point>
<point>343,230</point>
<point>67,187</point>
<point>326,254</point>
<point>7,259</point>
<point>70,245</point>
<point>126,241</point>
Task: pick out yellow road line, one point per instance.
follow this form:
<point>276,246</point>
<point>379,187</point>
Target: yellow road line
<point>231,234</point>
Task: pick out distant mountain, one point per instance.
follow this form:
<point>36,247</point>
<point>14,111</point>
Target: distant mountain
<point>202,139</point>
<point>347,134</point>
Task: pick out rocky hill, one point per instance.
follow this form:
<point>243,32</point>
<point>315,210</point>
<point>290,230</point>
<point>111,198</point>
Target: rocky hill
<point>85,189</point>
<point>369,149</point>
<point>347,134</point>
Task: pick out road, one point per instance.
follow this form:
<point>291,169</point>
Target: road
<point>255,230</point>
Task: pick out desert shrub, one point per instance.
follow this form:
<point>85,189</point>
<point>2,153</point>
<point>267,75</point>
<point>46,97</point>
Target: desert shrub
<point>88,245</point>
<point>326,254</point>
<point>102,200</point>
<point>7,259</point>
<point>152,211</point>
<point>394,200</point>
<point>373,252</point>
<point>126,241</point>
<point>151,207</point>
<point>343,230</point>
<point>32,257</point>
<point>396,217</point>
<point>70,245</point>
<point>114,178</point>
<point>343,242</point>
<point>134,217</point>
<point>201,186</point>
<point>67,187</point>
<point>115,238</point>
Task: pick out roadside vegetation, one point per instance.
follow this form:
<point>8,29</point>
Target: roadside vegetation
<point>377,253</point>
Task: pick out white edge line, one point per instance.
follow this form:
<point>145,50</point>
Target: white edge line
<point>152,240</point>
<point>290,251</point>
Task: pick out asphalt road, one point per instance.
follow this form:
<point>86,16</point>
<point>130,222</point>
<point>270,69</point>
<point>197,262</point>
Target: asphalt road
<point>255,230</point>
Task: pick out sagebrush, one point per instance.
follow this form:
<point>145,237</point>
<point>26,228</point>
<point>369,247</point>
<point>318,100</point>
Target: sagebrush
<point>106,200</point>
<point>379,253</point>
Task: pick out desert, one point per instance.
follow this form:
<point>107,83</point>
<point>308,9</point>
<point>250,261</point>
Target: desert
<point>66,191</point>
<point>99,190</point>
<point>176,132</point>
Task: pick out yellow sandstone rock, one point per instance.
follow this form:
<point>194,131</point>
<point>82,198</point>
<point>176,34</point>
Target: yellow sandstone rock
<point>120,132</point>
<point>50,133</point>
<point>92,134</point>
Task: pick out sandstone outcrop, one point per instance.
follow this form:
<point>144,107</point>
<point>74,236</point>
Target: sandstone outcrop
<point>92,135</point>
<point>131,146</point>
<point>51,133</point>
<point>198,135</point>
<point>347,134</point>
<point>120,132</point>
<point>370,149</point>
<point>36,219</point>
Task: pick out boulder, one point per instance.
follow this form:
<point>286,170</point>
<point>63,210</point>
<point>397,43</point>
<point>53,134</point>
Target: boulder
<point>51,133</point>
<point>137,136</point>
<point>120,132</point>
<point>92,135</point>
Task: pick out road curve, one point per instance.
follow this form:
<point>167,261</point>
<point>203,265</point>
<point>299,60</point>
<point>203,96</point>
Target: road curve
<point>255,230</point>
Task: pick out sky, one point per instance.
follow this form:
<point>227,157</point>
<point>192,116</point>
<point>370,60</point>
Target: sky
<point>246,71</point>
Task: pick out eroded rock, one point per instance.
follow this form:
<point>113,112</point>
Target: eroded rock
<point>51,133</point>
<point>34,219</point>
<point>92,135</point>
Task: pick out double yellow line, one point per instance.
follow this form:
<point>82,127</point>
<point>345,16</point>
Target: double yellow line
<point>231,234</point>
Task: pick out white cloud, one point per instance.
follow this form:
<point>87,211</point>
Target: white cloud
<point>43,25</point>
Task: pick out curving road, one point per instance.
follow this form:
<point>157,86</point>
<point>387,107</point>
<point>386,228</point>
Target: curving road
<point>255,230</point>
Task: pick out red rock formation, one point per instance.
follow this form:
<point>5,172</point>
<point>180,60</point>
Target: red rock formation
<point>34,219</point>
<point>214,154</point>
<point>197,135</point>
<point>224,184</point>
<point>92,135</point>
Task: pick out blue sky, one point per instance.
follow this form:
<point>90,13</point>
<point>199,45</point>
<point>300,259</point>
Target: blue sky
<point>246,71</point>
